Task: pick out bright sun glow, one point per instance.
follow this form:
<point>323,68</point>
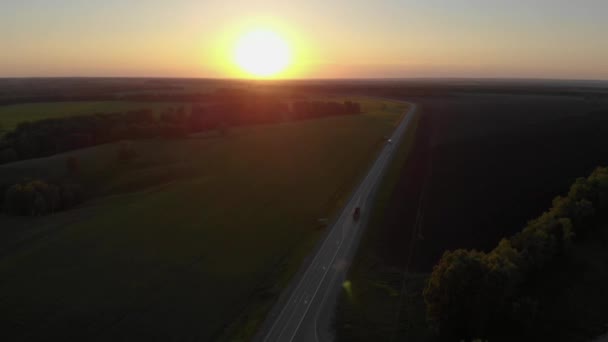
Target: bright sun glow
<point>262,53</point>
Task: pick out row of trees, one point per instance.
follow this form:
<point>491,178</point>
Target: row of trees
<point>37,198</point>
<point>51,136</point>
<point>472,294</point>
<point>316,109</point>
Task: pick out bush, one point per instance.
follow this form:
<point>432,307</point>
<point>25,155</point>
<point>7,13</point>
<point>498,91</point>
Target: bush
<point>37,198</point>
<point>454,294</point>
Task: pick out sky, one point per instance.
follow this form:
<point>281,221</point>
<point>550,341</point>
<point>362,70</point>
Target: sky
<point>328,38</point>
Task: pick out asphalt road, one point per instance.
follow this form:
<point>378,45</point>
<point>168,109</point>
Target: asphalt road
<point>306,310</point>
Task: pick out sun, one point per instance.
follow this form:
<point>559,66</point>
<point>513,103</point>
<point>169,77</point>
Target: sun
<point>262,53</point>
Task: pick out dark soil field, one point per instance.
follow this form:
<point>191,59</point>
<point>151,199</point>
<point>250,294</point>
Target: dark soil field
<point>498,161</point>
<point>481,166</point>
<point>401,213</point>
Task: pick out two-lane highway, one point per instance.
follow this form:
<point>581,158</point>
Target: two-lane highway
<point>305,313</point>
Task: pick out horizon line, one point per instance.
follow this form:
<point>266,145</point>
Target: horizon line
<point>425,78</point>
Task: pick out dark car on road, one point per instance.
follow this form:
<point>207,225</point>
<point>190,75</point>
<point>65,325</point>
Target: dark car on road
<point>356,213</point>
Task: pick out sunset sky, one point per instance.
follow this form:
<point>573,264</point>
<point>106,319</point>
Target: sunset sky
<point>337,38</point>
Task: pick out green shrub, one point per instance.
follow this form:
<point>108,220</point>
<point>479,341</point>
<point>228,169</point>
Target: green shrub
<point>37,198</point>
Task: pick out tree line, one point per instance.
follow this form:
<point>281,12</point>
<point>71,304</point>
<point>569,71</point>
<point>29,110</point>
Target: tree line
<point>472,294</point>
<point>51,136</point>
<point>38,198</point>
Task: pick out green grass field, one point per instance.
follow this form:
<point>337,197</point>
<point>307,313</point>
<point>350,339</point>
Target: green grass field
<point>12,115</point>
<point>194,235</point>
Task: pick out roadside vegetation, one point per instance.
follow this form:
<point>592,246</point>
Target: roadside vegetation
<point>179,237</point>
<point>369,311</point>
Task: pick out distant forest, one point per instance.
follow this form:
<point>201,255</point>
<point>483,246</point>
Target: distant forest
<point>51,136</point>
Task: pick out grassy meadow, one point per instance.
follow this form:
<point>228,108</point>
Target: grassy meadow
<point>185,238</point>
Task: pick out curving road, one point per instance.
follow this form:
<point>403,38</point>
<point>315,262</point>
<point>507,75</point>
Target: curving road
<point>305,312</point>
